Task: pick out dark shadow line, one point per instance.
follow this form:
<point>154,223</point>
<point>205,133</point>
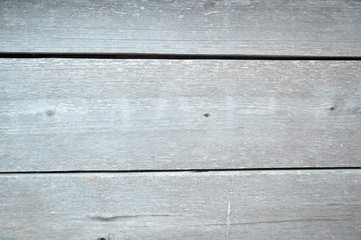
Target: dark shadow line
<point>174,56</point>
<point>183,170</point>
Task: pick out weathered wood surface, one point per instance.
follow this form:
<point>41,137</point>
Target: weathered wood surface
<point>71,114</point>
<point>275,27</point>
<point>229,205</point>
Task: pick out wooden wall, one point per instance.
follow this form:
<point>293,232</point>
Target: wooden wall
<point>172,119</point>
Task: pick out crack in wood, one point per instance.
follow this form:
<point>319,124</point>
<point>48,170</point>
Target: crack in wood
<point>114,218</point>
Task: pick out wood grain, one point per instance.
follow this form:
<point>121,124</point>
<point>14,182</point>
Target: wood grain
<point>245,27</point>
<point>225,205</point>
<point>78,114</point>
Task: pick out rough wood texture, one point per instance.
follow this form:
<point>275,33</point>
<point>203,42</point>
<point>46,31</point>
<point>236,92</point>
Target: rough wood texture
<point>275,27</point>
<point>231,205</point>
<point>68,114</point>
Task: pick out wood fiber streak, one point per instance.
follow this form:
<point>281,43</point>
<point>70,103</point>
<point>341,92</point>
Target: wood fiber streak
<point>246,27</point>
<point>77,114</point>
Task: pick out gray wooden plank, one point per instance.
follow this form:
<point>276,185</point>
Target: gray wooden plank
<point>78,114</point>
<point>276,27</point>
<point>184,205</point>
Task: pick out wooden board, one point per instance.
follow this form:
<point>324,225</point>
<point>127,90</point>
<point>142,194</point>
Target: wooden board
<point>185,205</point>
<point>78,114</point>
<point>245,27</point>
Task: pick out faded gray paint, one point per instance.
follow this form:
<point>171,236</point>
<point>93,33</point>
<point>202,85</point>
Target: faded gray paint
<point>69,114</point>
<point>276,27</point>
<point>219,205</point>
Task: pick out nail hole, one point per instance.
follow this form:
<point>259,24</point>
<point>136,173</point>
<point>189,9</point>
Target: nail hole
<point>333,108</point>
<point>101,238</point>
<point>206,115</point>
<point>50,113</point>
